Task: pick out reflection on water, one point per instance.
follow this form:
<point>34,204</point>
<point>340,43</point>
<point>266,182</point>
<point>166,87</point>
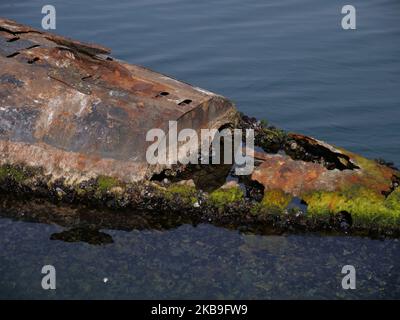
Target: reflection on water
<point>145,256</point>
<point>83,234</point>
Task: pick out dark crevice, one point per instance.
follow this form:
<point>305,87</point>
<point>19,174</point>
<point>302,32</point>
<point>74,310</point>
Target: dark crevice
<point>25,32</point>
<point>206,177</point>
<point>86,78</point>
<point>298,147</point>
<point>78,47</point>
<point>13,39</point>
<point>254,189</point>
<point>19,32</point>
<point>160,176</point>
<point>388,164</point>
<point>342,220</point>
<point>6,30</point>
<point>32,47</point>
<point>395,183</point>
<point>13,55</point>
<point>309,150</point>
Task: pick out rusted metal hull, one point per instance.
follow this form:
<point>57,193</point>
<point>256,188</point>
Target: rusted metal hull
<point>69,108</point>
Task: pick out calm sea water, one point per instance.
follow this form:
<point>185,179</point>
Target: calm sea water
<point>283,60</point>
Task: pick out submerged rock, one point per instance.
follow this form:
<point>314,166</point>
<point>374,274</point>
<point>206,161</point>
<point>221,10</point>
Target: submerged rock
<point>73,124</point>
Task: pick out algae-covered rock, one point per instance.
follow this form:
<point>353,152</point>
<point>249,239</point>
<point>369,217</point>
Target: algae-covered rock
<point>276,199</point>
<point>364,188</point>
<point>185,193</point>
<point>226,196</point>
<point>366,207</point>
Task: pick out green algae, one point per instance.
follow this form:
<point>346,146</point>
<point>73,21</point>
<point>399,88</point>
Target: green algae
<point>106,183</point>
<point>365,206</point>
<point>392,202</point>
<point>225,196</point>
<point>368,165</point>
<point>276,199</point>
<point>183,192</point>
<point>14,173</point>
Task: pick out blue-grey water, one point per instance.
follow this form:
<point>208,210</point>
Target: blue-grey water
<point>286,61</point>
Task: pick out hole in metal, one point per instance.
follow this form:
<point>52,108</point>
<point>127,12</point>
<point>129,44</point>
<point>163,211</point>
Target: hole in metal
<point>33,60</point>
<point>184,102</point>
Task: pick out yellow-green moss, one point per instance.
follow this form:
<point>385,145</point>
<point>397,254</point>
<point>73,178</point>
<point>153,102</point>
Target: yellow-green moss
<point>16,174</point>
<point>276,200</point>
<point>186,193</point>
<point>222,197</point>
<point>106,183</point>
<point>392,202</point>
<point>365,206</point>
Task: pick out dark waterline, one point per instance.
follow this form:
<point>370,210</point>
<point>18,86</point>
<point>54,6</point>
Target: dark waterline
<point>282,60</point>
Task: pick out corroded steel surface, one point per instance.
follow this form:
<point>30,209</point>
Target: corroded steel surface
<point>69,108</point>
<point>297,177</point>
